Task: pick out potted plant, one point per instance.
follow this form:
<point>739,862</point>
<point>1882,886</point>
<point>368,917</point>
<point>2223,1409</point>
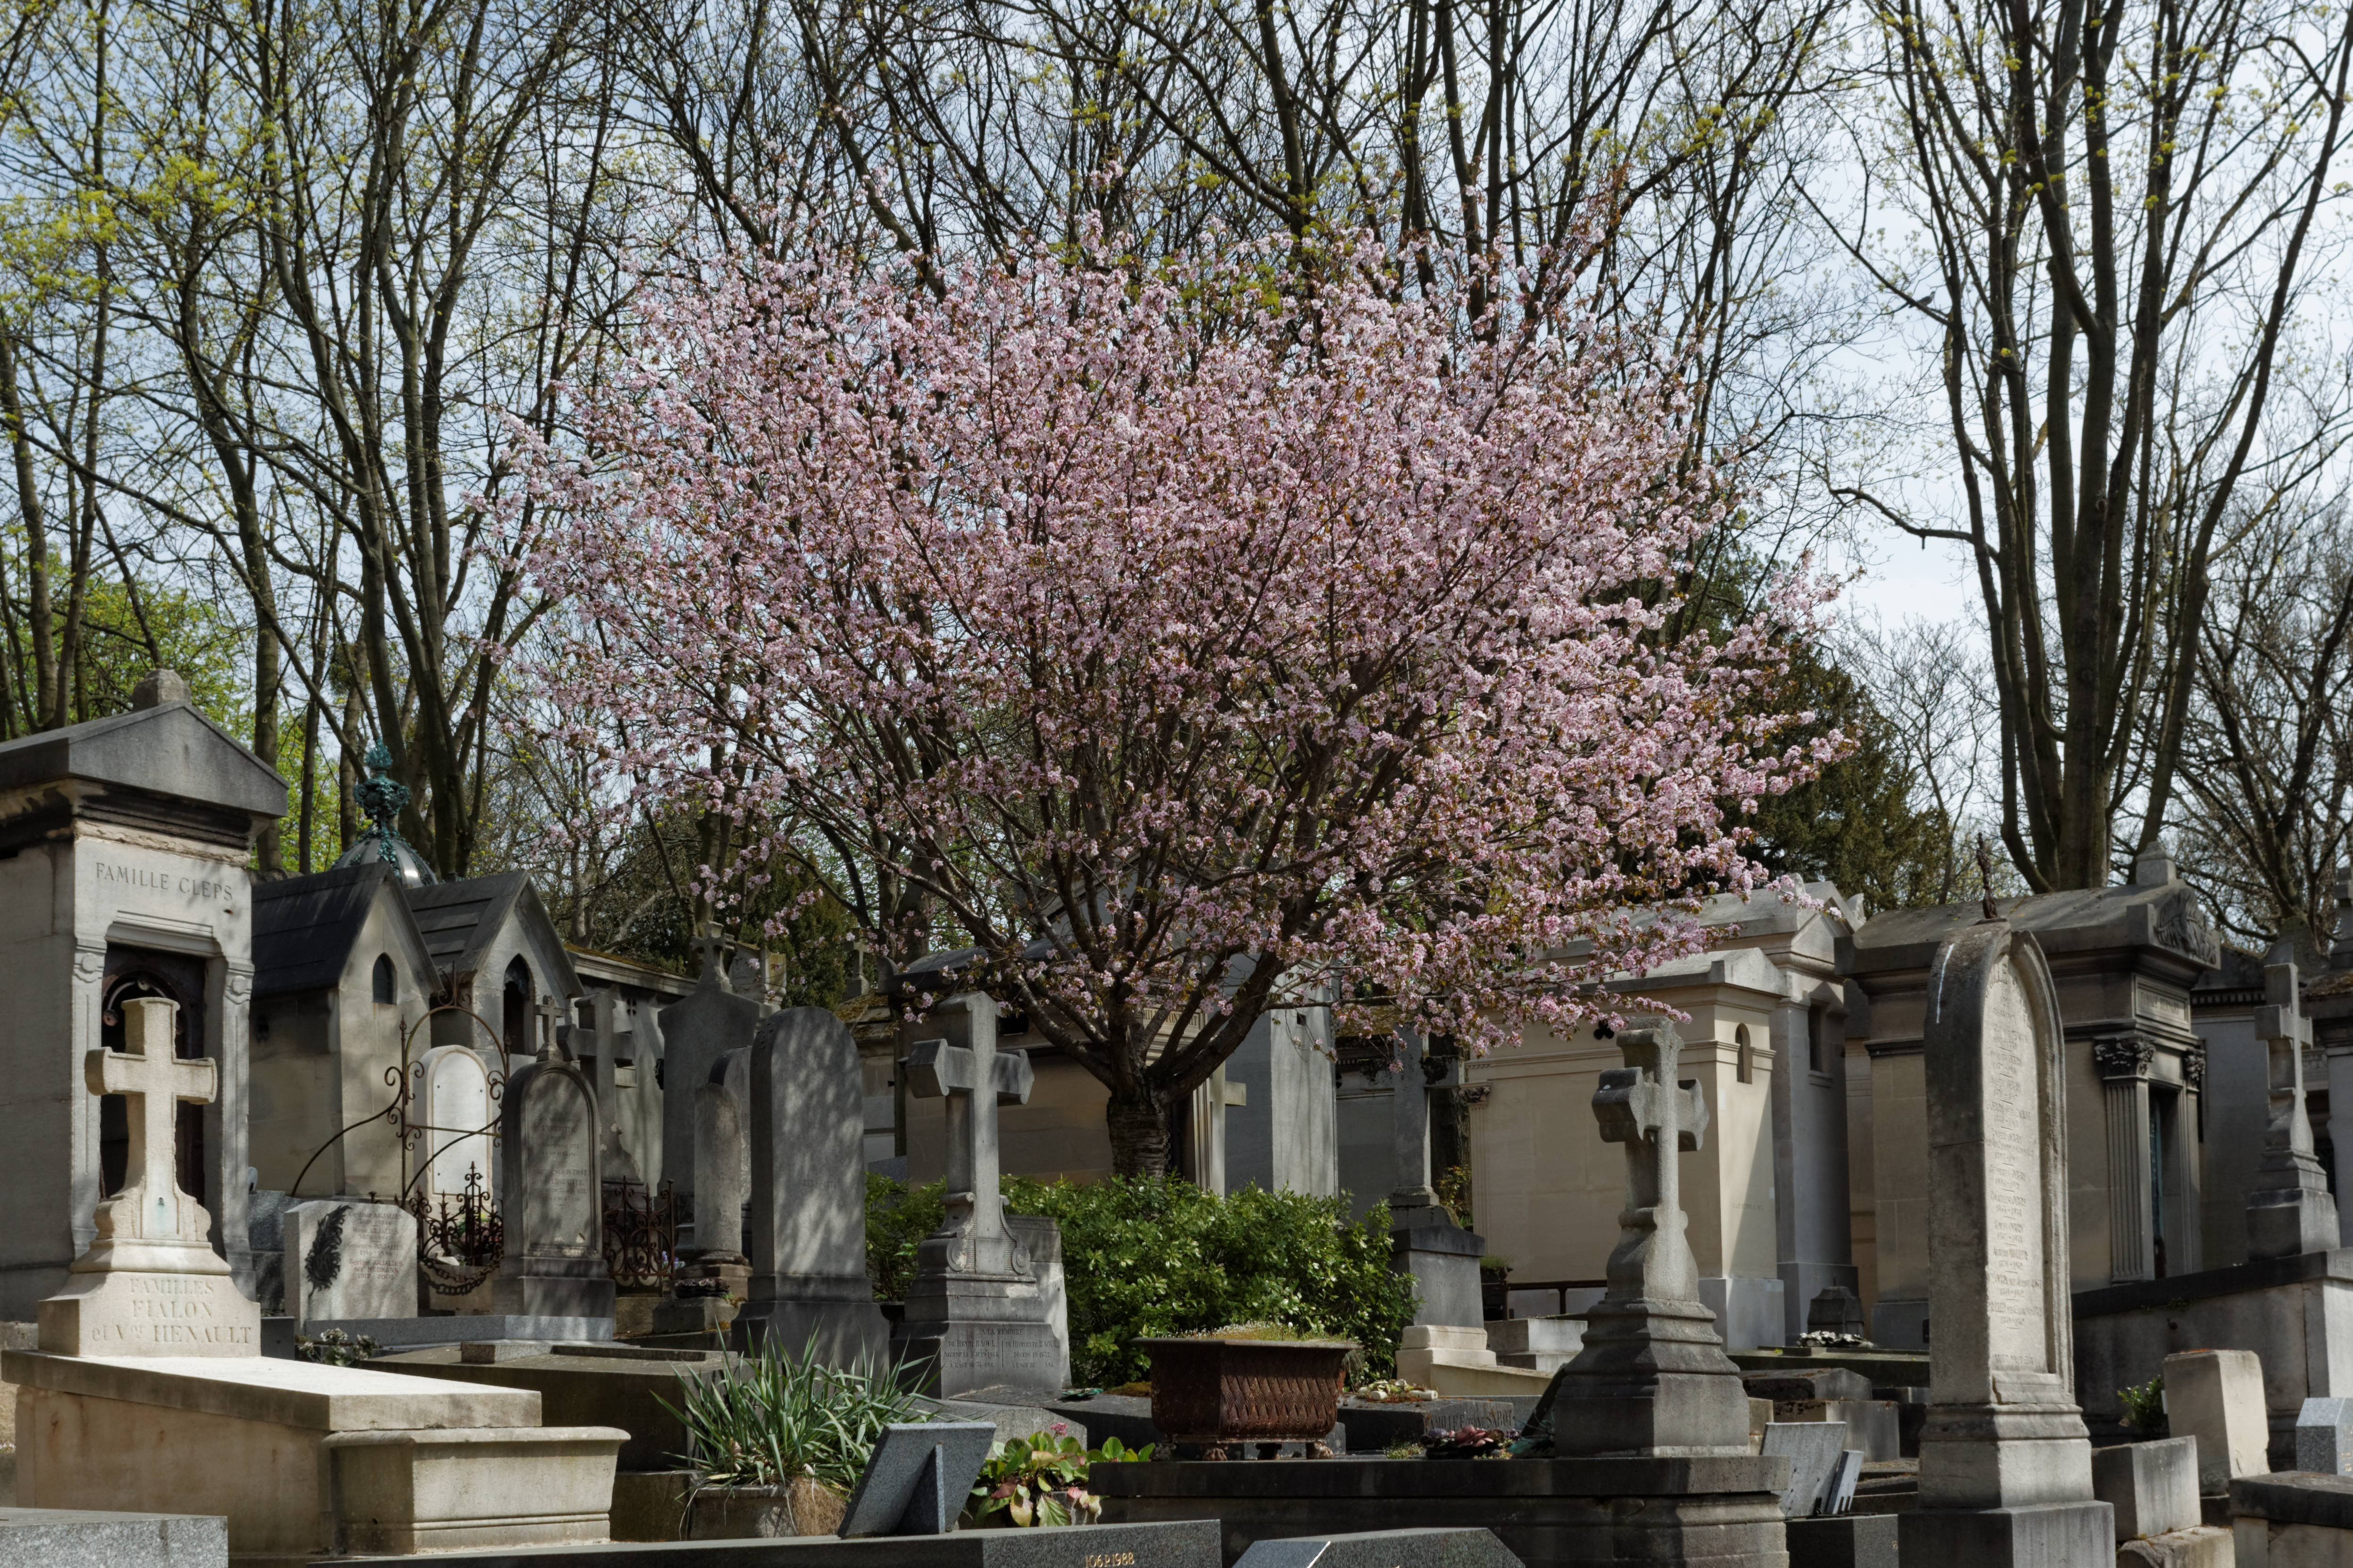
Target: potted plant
<point>777,1445</point>
<point>1248,1382</point>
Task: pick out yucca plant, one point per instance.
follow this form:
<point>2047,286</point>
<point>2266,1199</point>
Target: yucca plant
<point>768,1419</point>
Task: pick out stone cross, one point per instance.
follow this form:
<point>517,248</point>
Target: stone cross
<point>2290,1211</point>
<point>1417,1079</point>
<point>152,1208</point>
<point>1658,1117</point>
<point>553,1016</point>
<point>941,1069</point>
<point>1651,1377</point>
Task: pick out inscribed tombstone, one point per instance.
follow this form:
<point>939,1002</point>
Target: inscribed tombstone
<point>723,1168</point>
<point>550,1197</point>
<point>2324,1436</point>
<point>347,1260</point>
<point>2005,1462</point>
<point>1812,1448</point>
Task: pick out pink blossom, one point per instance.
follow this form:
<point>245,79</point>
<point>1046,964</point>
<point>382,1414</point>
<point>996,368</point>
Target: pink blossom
<point>1195,650</point>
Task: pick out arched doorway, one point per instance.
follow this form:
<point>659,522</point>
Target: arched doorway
<point>516,1024</point>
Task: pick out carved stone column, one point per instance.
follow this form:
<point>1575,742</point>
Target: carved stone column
<point>2123,1062</point>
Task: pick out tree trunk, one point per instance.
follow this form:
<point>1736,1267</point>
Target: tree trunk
<point>1139,1119</point>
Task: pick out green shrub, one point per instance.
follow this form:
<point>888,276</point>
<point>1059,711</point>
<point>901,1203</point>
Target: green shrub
<point>2145,1407</point>
<point>897,1219</point>
<point>1146,1256</point>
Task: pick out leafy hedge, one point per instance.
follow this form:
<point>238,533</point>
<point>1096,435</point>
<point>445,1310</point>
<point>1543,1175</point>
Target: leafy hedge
<point>1157,1255</point>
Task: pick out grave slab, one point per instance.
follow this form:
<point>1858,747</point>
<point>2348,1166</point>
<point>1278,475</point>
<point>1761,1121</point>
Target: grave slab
<point>1812,1448</point>
<point>2324,1436</point>
<point>348,1259</point>
<point>1848,1541</point>
<point>627,1392</point>
<point>2217,1397</point>
<point>2201,1546</point>
<point>2295,1313</point>
<point>1549,1513</point>
<point>64,1538</point>
<point>392,1334</point>
<point>1181,1545</point>
<point>1539,1345</point>
<point>2292,1520</point>
<point>1385,1549</point>
<point>407,1492</point>
<point>2152,1487</point>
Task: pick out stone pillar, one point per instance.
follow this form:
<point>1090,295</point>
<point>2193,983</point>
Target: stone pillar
<point>2290,1211</point>
<point>2005,1462</point>
<point>2122,1061</point>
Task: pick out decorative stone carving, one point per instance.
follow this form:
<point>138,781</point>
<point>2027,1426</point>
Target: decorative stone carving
<point>2193,1069</point>
<point>2181,925</point>
<point>2122,1056</point>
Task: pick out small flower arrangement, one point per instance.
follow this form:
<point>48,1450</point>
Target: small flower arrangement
<point>333,1347</point>
<point>1391,1391</point>
<point>1039,1481</point>
<point>1468,1443</point>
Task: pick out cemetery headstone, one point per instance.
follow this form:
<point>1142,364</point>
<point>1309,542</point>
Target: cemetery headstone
<point>1836,1316</point>
<point>919,1478</point>
<point>2217,1397</point>
<point>2289,1211</point>
<point>347,1259</point>
<point>2324,1436</point>
<point>980,1313</point>
<point>551,1195</point>
<point>696,1031</point>
<point>808,1194</point>
<point>151,1284</point>
<point>2152,1487</point>
<point>1812,1448</point>
<point>2005,1461</point>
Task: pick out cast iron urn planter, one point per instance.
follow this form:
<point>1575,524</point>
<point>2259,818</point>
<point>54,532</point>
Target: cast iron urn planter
<point>1214,1391</point>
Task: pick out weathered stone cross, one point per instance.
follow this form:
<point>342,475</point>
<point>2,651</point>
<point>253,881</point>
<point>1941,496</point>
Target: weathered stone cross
<point>1642,1106</point>
<point>151,1207</point>
<point>2290,1211</point>
<point>940,1070</point>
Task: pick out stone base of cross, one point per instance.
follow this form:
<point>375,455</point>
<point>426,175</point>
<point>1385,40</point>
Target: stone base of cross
<point>151,1284</point>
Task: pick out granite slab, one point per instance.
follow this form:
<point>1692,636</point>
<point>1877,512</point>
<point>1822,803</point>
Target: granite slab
<point>1384,1549</point>
<point>73,1538</point>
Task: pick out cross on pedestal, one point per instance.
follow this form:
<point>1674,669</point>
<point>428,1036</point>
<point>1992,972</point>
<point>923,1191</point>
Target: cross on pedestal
<point>2290,1211</point>
<point>151,1207</point>
<point>974,1238</point>
<point>1645,1107</point>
